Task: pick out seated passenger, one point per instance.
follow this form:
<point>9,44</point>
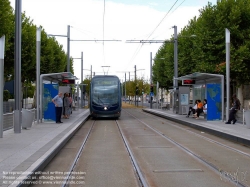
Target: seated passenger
<point>199,109</point>
<point>205,106</point>
<point>192,109</point>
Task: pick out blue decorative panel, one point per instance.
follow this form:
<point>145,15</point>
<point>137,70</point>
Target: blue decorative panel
<point>50,91</point>
<point>214,102</point>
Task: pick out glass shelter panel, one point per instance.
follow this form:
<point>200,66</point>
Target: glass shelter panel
<point>199,92</point>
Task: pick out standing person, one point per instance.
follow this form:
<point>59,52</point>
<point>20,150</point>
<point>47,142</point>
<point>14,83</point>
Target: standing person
<point>70,104</point>
<point>199,109</point>
<point>192,109</point>
<point>66,105</point>
<point>57,100</point>
<point>234,109</point>
<point>63,108</point>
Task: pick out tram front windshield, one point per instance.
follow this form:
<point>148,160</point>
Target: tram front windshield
<point>105,91</point>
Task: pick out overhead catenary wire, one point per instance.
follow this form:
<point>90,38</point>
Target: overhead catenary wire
<point>162,19</point>
<point>170,14</point>
<point>139,48</point>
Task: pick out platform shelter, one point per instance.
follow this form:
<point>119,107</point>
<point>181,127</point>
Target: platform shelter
<point>49,90</point>
<point>204,86</point>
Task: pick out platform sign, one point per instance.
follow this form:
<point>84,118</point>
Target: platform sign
<point>188,82</point>
<point>68,81</point>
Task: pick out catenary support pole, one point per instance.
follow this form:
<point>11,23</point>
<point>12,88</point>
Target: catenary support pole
<point>135,85</point>
<point>175,81</point>
<point>78,95</point>
<point>38,53</point>
<point>90,72</point>
<point>82,95</point>
<point>157,94</point>
<point>125,88</point>
<point>129,85</point>
<point>17,67</point>
<point>151,99</point>
<point>227,32</point>
<point>81,67</point>
<point>68,49</point>
<point>2,47</point>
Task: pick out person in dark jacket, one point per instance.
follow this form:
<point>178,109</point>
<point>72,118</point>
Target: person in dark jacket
<point>192,109</point>
<point>233,110</point>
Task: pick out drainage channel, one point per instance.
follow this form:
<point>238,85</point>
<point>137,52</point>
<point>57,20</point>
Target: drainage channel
<point>210,165</point>
<point>136,166</point>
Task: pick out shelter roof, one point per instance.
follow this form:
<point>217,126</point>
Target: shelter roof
<point>58,77</point>
<point>200,76</point>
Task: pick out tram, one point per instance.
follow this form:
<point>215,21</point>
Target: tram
<point>105,97</point>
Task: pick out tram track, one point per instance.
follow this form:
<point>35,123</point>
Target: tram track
<point>133,160</point>
<point>90,151</point>
<point>69,173</point>
<point>201,136</point>
<point>138,173</point>
<point>143,150</point>
<point>226,175</point>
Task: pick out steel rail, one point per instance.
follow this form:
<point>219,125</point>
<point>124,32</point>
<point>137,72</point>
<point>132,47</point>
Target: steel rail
<point>136,166</point>
<point>65,183</point>
<point>206,163</point>
<point>204,137</point>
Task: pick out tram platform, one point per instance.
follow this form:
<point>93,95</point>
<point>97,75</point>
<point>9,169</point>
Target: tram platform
<point>235,132</point>
<point>23,153</point>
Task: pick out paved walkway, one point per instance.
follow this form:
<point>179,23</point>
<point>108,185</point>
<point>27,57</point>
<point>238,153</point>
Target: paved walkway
<point>25,152</point>
<point>237,132</point>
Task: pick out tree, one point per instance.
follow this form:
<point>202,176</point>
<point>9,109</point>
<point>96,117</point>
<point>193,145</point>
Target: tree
<point>7,29</point>
<point>206,52</point>
<point>87,81</point>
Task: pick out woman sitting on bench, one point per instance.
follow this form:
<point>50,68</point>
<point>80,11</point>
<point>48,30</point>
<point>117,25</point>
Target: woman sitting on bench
<point>192,109</point>
<point>199,109</point>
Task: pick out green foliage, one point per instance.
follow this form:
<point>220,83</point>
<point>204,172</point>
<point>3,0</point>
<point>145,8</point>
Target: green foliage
<point>131,87</point>
<point>6,95</point>
<point>87,82</point>
<point>53,57</point>
<point>7,29</point>
<point>206,52</point>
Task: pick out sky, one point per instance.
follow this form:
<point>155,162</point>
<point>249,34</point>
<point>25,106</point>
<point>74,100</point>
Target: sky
<point>120,20</point>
